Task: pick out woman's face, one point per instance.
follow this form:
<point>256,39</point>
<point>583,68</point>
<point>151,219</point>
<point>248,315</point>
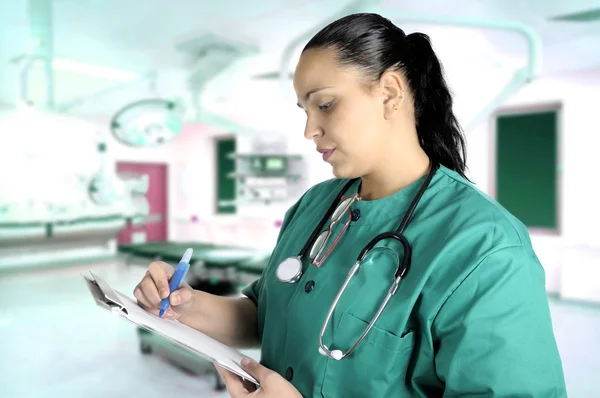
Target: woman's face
<point>345,117</point>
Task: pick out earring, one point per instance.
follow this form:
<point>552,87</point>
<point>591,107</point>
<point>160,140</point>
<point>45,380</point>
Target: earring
<point>395,108</point>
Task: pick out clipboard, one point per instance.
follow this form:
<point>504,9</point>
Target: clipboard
<point>182,335</point>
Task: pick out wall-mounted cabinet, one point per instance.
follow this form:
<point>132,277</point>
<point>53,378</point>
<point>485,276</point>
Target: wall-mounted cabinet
<point>268,177</point>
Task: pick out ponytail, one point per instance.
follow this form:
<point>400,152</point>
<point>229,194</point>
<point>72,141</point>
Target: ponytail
<point>440,134</point>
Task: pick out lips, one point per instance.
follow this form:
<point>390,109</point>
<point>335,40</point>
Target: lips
<point>326,153</point>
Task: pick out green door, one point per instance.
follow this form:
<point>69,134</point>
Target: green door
<point>526,167</point>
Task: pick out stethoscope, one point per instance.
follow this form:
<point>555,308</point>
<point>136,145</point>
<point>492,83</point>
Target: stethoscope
<point>290,269</point>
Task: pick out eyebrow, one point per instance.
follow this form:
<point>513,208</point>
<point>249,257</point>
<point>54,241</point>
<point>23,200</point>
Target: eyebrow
<point>311,92</point>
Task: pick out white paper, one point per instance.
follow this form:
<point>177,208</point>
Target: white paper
<point>182,335</point>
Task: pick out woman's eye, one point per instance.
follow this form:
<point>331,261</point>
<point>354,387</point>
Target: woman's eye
<point>325,107</point>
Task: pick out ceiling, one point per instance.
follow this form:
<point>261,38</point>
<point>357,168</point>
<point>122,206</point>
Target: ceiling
<point>145,36</point>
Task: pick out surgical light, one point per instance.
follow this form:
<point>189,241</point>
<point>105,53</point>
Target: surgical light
<point>147,123</point>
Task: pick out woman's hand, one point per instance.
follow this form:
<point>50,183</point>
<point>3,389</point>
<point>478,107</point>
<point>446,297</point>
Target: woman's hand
<point>272,385</point>
<point>154,287</point>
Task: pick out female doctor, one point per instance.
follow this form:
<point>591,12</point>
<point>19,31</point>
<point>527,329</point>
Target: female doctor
<point>448,276</point>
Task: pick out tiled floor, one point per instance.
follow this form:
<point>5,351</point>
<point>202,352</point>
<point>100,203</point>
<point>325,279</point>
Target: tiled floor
<point>56,343</point>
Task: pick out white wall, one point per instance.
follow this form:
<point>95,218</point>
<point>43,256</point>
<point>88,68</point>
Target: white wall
<point>572,260</point>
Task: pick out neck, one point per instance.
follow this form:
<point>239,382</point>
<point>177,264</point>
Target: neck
<point>394,174</point>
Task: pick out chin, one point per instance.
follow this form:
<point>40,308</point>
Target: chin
<point>336,174</point>
<point>344,172</point>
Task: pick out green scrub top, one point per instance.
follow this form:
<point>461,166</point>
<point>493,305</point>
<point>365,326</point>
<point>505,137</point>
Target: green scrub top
<point>470,318</point>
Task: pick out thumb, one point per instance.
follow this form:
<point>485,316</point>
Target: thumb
<point>255,369</point>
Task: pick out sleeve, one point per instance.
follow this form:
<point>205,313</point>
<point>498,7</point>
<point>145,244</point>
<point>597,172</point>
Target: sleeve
<point>252,291</point>
<point>494,332</point>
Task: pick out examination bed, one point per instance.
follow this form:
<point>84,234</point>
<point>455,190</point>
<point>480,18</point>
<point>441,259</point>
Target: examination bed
<point>41,244</point>
<point>220,270</point>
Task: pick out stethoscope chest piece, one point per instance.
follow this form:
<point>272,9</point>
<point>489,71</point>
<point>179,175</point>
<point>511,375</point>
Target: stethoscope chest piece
<point>290,270</point>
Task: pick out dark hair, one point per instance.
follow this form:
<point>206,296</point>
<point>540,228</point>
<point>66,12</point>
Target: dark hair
<point>373,44</point>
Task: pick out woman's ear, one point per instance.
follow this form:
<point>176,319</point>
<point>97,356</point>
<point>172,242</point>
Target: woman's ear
<point>392,89</point>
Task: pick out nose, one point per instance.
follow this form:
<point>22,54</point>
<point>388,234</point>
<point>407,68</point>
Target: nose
<point>312,130</point>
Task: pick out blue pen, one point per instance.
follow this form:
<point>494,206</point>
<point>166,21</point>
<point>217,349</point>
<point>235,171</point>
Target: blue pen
<point>178,277</point>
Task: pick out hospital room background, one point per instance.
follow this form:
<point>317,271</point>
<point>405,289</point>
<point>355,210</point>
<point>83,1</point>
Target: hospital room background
<point>132,130</point>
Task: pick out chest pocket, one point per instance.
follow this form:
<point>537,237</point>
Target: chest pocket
<point>377,367</point>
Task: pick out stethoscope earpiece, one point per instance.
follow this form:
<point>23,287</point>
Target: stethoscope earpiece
<point>335,354</point>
